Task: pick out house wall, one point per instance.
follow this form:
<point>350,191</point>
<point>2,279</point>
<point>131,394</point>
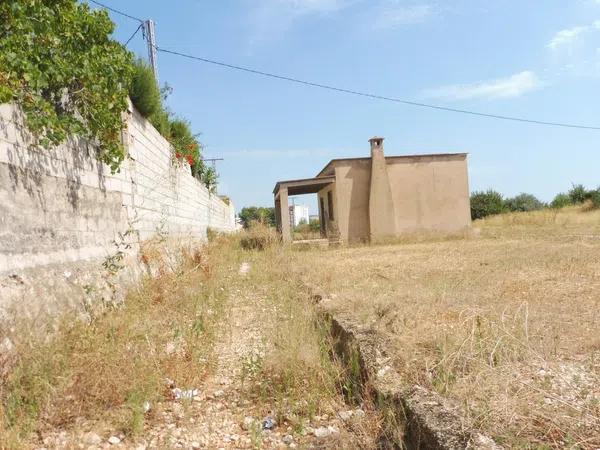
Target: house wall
<point>430,193</point>
<point>63,214</point>
<point>352,182</point>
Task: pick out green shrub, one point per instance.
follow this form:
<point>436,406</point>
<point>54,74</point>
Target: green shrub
<point>486,203</point>
<point>250,214</point>
<point>144,91</point>
<point>523,202</point>
<point>578,194</point>
<point>594,197</point>
<point>59,64</point>
<point>161,120</point>
<point>561,200</point>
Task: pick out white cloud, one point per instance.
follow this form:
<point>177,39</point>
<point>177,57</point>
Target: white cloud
<point>271,18</point>
<point>567,37</point>
<point>395,14</point>
<point>513,86</point>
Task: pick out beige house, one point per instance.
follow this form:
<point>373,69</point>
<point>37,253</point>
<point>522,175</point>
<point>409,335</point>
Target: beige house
<point>363,199</point>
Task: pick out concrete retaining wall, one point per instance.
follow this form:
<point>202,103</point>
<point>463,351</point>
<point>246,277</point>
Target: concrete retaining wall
<point>415,418</point>
<point>63,214</point>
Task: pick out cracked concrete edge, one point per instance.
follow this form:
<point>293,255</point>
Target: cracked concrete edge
<point>414,417</point>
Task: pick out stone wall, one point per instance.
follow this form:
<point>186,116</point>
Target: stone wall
<point>64,216</point>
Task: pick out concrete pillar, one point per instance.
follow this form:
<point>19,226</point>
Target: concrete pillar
<point>382,217</point>
<point>277,213</point>
<point>284,208</point>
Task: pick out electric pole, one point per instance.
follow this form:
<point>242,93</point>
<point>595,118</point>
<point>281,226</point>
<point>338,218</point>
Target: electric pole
<point>150,35</point>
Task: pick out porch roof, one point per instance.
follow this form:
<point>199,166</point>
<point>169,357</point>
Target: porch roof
<point>304,186</point>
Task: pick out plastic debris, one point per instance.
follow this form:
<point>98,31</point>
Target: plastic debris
<point>268,423</point>
<point>184,394</point>
<point>244,268</point>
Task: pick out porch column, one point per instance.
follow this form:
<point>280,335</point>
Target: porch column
<point>284,209</point>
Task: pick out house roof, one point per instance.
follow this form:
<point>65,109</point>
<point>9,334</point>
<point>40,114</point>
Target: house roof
<point>304,185</point>
<point>331,164</point>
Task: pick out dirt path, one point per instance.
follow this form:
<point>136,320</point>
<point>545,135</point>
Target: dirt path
<point>226,411</point>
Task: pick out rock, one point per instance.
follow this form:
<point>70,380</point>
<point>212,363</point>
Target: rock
<point>6,345</point>
<point>248,423</point>
<point>345,415</point>
<point>92,438</point>
<point>288,439</point>
<point>358,413</point>
<point>384,370</point>
<point>195,444</point>
<point>321,432</point>
<point>219,393</point>
<point>147,406</point>
<point>114,440</point>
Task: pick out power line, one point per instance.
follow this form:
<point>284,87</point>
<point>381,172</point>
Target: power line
<point>116,11</point>
<point>375,96</point>
<point>134,33</point>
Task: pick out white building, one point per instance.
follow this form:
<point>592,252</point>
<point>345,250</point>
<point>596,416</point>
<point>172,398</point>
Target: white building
<point>298,213</point>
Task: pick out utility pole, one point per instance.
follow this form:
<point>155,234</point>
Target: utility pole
<point>150,35</point>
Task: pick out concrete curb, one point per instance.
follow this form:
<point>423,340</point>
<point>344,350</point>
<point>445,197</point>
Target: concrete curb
<point>414,417</point>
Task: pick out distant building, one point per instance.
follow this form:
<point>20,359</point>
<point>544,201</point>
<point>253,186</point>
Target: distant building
<point>374,198</point>
<point>298,213</point>
<point>313,217</point>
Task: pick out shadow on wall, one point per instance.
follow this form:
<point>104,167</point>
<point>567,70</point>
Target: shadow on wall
<point>358,178</point>
<point>28,164</point>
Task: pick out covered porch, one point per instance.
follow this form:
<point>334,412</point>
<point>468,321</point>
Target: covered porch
<point>284,189</point>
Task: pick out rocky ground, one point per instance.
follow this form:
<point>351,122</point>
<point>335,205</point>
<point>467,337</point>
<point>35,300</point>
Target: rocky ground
<point>225,411</point>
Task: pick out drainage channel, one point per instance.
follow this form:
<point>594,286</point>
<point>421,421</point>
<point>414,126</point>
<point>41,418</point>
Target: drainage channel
<point>414,418</point>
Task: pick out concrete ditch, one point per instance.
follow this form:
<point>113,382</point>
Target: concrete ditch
<point>415,418</point>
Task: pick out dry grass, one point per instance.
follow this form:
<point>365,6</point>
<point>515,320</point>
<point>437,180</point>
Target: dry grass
<point>505,323</point>
<point>98,373</point>
<point>104,368</point>
<point>297,376</point>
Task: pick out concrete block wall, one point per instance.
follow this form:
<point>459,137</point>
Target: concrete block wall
<point>62,212</point>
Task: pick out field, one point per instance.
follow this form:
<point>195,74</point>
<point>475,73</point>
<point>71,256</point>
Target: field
<point>504,322</point>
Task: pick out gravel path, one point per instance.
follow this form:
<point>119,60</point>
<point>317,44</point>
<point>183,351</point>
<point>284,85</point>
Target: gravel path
<point>225,413</point>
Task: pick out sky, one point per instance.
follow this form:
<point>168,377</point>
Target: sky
<point>536,59</point>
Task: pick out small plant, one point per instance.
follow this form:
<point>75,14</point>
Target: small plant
<point>258,237</point>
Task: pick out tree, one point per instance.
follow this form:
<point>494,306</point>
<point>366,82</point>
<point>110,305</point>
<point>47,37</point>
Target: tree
<point>578,194</point>
<point>60,65</point>
<point>260,214</point>
<point>560,201</point>
<point>486,203</point>
<point>523,202</point>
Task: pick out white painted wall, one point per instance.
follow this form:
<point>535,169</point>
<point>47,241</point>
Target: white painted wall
<point>61,210</point>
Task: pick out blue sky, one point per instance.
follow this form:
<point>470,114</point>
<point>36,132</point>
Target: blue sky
<point>535,59</point>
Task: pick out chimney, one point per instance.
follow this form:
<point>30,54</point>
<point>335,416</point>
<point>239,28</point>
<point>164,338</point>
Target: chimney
<point>382,219</point>
<point>376,145</point>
